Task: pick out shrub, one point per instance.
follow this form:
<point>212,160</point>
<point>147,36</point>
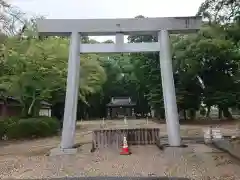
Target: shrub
<point>13,131</point>
<point>31,127</point>
<point>2,128</point>
<point>53,123</point>
<point>5,123</point>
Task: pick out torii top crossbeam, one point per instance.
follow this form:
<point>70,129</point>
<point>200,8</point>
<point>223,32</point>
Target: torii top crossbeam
<point>101,27</point>
<point>118,27</point>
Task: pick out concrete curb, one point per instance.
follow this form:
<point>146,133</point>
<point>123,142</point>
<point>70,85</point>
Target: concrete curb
<point>197,139</point>
<point>226,146</point>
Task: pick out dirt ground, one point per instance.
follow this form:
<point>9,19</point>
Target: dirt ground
<point>27,159</point>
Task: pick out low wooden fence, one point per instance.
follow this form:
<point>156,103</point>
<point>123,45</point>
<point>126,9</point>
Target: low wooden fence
<point>114,137</point>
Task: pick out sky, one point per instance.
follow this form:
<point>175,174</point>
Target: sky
<point>94,9</point>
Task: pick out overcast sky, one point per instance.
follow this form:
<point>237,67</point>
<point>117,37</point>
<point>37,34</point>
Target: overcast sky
<point>83,9</point>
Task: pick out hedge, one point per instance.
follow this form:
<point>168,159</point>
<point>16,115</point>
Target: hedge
<point>18,128</point>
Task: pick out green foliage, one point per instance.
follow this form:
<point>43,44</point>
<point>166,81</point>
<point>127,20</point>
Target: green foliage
<point>211,56</point>
<point>221,11</point>
<point>35,70</point>
<point>29,128</point>
<point>5,123</point>
<point>2,128</point>
<point>205,65</point>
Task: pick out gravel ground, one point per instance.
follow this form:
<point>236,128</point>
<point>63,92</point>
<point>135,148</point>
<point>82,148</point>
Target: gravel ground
<point>197,161</point>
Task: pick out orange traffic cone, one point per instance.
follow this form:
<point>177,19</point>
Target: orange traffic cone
<point>125,150</point>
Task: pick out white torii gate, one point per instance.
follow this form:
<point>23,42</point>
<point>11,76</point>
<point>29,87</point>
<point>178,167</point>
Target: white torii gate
<point>75,28</point>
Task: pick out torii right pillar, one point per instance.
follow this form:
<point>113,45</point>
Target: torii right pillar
<point>169,95</point>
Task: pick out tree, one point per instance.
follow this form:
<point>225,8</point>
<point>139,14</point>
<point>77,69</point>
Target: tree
<point>11,18</point>
<point>220,11</point>
<point>30,64</point>
<point>147,72</point>
<point>215,59</point>
<point>205,67</point>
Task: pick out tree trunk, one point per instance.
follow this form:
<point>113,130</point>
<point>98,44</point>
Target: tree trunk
<point>208,111</point>
<point>185,115</point>
<point>4,110</point>
<point>220,114</point>
<point>227,113</point>
<point>23,105</point>
<point>192,114</point>
<point>31,106</point>
<point>161,113</point>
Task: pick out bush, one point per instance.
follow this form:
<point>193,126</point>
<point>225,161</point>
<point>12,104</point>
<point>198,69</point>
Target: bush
<point>13,131</point>
<point>30,128</point>
<point>2,128</point>
<point>53,123</point>
<point>5,123</point>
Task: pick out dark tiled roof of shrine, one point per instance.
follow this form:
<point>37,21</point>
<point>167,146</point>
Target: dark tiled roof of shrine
<point>121,101</point>
<point>10,99</point>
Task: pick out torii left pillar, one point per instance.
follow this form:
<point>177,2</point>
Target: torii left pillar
<point>71,100</point>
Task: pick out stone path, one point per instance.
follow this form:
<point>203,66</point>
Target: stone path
<point>196,162</point>
<point>27,159</point>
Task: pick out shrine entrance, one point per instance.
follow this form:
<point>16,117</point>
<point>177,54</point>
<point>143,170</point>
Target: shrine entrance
<point>162,27</point>
<point>120,107</point>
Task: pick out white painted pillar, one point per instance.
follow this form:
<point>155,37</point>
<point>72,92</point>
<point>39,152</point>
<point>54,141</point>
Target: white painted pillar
<point>70,110</point>
<point>119,39</point>
<point>171,113</point>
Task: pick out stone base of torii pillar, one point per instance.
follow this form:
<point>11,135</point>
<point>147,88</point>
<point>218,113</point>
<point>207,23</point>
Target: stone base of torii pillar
<point>59,151</point>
